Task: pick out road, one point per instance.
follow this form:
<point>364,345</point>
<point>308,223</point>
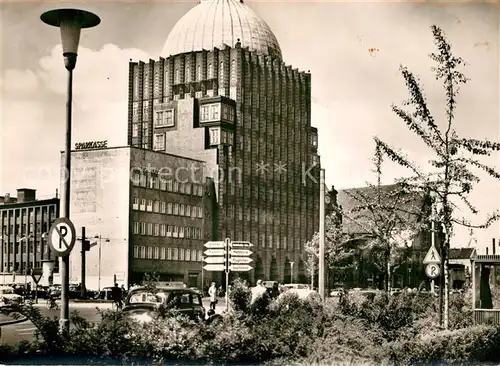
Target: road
<point>14,333</point>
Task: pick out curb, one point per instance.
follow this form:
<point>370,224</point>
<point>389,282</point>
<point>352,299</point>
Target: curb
<point>14,321</point>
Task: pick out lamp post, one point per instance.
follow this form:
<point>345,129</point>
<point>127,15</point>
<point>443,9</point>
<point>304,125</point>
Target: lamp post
<point>99,263</point>
<point>70,21</point>
<point>291,271</point>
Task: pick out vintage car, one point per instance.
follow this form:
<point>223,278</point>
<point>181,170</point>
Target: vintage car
<point>144,304</point>
<point>8,296</point>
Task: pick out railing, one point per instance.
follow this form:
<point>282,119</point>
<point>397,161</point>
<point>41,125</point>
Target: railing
<point>486,316</point>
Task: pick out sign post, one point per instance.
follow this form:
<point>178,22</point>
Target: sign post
<point>36,275</point>
<point>432,259</point>
<point>62,237</point>
<point>227,256</point>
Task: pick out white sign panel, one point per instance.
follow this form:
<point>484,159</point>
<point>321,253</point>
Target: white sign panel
<point>240,267</point>
<point>214,267</point>
<point>215,244</point>
<point>214,260</point>
<point>241,252</point>
<point>240,260</point>
<point>215,252</point>
<point>432,256</point>
<point>241,244</point>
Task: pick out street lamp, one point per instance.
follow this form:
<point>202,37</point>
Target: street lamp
<point>70,21</point>
<point>99,265</point>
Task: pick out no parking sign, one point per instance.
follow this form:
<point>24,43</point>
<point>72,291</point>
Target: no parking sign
<point>62,236</point>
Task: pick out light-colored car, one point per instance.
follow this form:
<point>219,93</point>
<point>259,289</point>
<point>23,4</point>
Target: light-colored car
<point>8,296</point>
<point>300,286</point>
<point>337,292</point>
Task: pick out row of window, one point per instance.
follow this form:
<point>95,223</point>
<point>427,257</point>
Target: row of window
<point>212,112</point>
<point>168,208</point>
<point>169,231</point>
<point>169,185</point>
<point>169,254</point>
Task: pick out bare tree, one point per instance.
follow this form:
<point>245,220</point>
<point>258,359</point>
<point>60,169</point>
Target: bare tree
<point>454,156</point>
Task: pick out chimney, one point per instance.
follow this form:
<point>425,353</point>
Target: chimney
<point>6,198</point>
<point>26,195</point>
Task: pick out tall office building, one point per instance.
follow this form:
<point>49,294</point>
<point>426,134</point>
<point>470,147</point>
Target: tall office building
<point>221,93</point>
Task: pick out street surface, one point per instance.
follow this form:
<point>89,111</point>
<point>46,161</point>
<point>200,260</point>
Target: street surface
<point>14,333</point>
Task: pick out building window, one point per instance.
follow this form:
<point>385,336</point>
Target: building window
<point>143,181</point>
<point>169,254</point>
<point>181,254</point>
<point>177,75</point>
<point>214,135</point>
<point>156,254</point>
<point>143,228</point>
<point>221,72</point>
<point>176,231</point>
<point>214,111</point>
<point>200,191</point>
<point>137,227</point>
<point>159,142</point>
<point>198,72</point>
<point>200,256</point>
<point>188,254</point>
<point>136,179</point>
<point>169,185</point>
<point>163,185</point>
<point>188,188</point>
<point>193,255</point>
<point>150,253</point>
<point>135,130</point>
<point>156,206</point>
<point>210,71</point>
<point>163,230</point>
<point>157,230</point>
<point>205,113</point>
<point>176,186</point>
<point>149,207</point>
<point>150,228</point>
<point>169,230</point>
<point>181,209</point>
<point>176,208</point>
<point>181,232</point>
<point>200,212</point>
<point>142,206</point>
<point>163,207</point>
<point>181,187</point>
<point>135,204</point>
<point>162,253</point>
<point>169,208</point>
<point>175,254</point>
<point>188,210</point>
<point>194,211</point>
<point>142,253</point>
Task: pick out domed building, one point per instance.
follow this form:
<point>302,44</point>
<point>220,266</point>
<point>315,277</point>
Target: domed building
<point>221,93</point>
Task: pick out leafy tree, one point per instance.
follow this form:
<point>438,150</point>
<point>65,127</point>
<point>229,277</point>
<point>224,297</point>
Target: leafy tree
<point>386,221</point>
<point>451,177</point>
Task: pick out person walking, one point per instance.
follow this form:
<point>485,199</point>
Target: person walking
<point>116,294</point>
<point>212,292</point>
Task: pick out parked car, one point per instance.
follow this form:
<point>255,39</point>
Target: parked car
<point>104,294</point>
<point>336,292</point>
<point>8,296</point>
<point>143,305</point>
<point>289,286</point>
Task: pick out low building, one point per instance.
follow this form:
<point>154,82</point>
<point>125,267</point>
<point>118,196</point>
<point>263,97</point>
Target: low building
<point>144,212</point>
<point>23,237</point>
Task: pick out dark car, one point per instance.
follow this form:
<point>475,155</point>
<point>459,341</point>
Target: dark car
<point>143,304</point>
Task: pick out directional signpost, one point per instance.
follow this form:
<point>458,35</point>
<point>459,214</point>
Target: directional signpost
<point>433,261</point>
<point>227,256</point>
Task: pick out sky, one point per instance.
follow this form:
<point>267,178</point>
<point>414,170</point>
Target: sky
<point>352,49</point>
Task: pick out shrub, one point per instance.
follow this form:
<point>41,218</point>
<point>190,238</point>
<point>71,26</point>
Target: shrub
<point>240,296</point>
<point>473,344</point>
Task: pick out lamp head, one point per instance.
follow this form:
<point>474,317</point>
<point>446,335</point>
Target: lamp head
<point>70,21</point>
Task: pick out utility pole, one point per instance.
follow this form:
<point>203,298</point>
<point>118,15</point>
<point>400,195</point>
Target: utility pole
<point>321,280</point>
<point>84,249</point>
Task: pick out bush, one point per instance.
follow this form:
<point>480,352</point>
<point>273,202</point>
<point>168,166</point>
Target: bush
<point>473,344</point>
<point>240,296</point>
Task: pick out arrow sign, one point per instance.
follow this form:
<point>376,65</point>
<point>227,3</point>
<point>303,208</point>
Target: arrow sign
<point>240,252</point>
<point>214,267</point>
<point>432,256</point>
<point>215,252</point>
<point>215,260</point>
<point>240,267</point>
<point>215,244</point>
<point>241,244</point>
<point>240,260</point>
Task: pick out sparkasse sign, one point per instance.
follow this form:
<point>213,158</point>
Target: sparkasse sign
<point>91,145</point>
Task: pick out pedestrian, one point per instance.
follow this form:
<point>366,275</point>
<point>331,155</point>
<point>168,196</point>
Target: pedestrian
<point>258,291</point>
<point>212,292</point>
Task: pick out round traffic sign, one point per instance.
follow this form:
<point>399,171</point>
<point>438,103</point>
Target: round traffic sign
<point>432,270</point>
<point>62,236</point>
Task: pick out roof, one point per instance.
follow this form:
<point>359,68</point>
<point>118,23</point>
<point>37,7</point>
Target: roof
<point>214,23</point>
<point>461,253</point>
<point>360,222</point>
